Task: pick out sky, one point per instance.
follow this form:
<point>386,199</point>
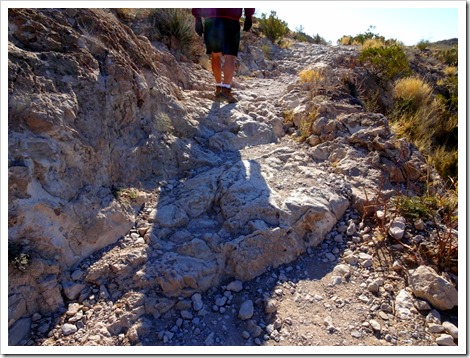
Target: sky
<point>408,22</point>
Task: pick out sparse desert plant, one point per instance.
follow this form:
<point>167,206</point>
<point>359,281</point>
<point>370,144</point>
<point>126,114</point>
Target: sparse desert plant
<point>18,255</point>
<point>450,71</point>
<point>423,44</point>
<point>176,28</point>
<point>305,126</point>
<point>273,28</point>
<point>267,51</point>
<point>311,75</point>
<point>411,92</point>
<point>372,43</point>
<point>386,63</point>
<point>449,57</point>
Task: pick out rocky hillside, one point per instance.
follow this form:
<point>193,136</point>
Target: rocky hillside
<point>132,192</point>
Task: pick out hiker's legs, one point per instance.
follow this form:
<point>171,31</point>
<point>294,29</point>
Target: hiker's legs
<point>216,61</point>
<point>229,68</point>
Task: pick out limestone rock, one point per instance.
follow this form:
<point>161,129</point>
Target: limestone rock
<point>427,284</point>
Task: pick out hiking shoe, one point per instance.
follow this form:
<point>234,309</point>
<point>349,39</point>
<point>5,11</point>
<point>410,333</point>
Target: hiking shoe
<point>218,89</point>
<point>226,93</point>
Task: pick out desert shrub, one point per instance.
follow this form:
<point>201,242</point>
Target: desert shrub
<point>175,27</point>
<point>423,44</point>
<point>372,43</point>
<point>449,57</point>
<point>273,28</point>
<point>301,36</point>
<point>411,93</point>
<point>450,71</point>
<point>359,39</point>
<point>305,126</point>
<point>311,75</point>
<point>386,63</point>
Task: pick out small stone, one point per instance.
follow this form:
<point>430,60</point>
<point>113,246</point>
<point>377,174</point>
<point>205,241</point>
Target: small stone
<point>77,275</point>
<point>246,310</point>
<point>373,287</point>
<point>451,329</point>
<point>197,301</point>
<point>375,325</point>
<point>36,317</point>
<point>397,228</point>
<point>367,263</point>
<point>356,334</point>
<point>186,315</point>
<point>419,225</point>
<point>68,329</point>
<point>434,316</point>
<point>383,315</point>
<point>445,340</point>
<point>351,260</point>
<point>335,280</point>
<point>422,305</point>
<point>435,328</point>
<point>338,238</point>
<point>73,309</point>
<point>220,301</point>
<point>278,292</point>
<point>245,334</point>
<point>235,286</point>
<point>270,306</point>
<point>380,214</point>
<point>351,230</point>
<point>330,256</point>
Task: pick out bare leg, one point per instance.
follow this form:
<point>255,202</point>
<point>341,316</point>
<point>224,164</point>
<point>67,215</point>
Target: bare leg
<point>229,68</point>
<point>217,66</point>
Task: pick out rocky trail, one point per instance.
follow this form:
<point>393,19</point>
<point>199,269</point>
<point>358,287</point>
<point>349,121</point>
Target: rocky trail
<point>241,234</point>
<point>262,249</point>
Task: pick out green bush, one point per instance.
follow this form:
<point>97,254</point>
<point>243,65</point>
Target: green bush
<point>360,38</point>
<point>423,44</point>
<point>273,28</point>
<point>387,63</point>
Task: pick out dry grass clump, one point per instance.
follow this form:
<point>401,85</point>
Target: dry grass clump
<point>372,43</point>
<point>450,71</point>
<point>311,75</point>
<point>412,90</point>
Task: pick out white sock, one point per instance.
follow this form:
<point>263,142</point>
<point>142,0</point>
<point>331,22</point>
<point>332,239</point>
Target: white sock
<point>225,85</point>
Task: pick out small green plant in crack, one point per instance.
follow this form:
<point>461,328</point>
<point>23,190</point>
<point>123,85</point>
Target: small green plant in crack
<point>18,256</point>
<point>415,207</point>
<point>125,195</point>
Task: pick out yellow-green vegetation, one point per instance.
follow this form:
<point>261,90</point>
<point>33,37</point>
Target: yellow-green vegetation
<point>176,27</point>
<point>288,116</point>
<point>273,28</point>
<point>305,126</point>
<point>17,256</point>
<point>311,75</point>
<point>429,122</point>
<point>411,93</point>
<point>372,43</point>
<point>125,195</point>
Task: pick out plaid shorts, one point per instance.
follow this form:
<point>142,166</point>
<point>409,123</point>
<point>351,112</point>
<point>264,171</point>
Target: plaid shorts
<point>222,35</point>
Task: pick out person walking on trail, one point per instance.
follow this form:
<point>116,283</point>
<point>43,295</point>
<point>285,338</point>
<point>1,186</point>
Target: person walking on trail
<point>221,31</point>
